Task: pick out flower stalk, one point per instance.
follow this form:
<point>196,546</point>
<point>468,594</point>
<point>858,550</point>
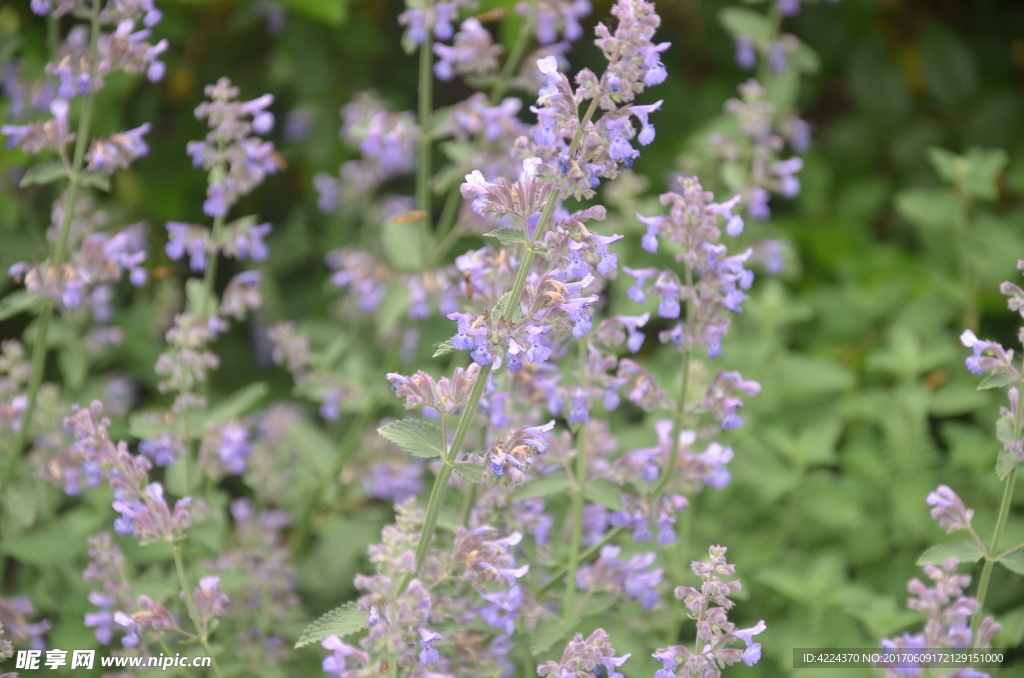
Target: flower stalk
<point>59,252</point>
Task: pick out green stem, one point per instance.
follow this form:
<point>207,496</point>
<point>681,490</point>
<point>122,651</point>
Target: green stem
<point>970,318</point>
<point>511,64</point>
<point>445,236</point>
<point>43,324</point>
<point>190,604</point>
<point>1004,510</point>
<point>441,482</point>
<point>577,496</point>
<point>467,506</point>
<point>549,208</point>
<point>210,277</point>
<point>426,105</point>
<point>677,418</point>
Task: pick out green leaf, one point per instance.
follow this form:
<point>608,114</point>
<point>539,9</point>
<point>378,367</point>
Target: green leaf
<point>1014,562</point>
<point>392,308</point>
<point>545,486</point>
<point>150,424</point>
<point>997,380</point>
<point>19,302</point>
<point>94,180</point>
<point>974,173</point>
<point>1004,430</point>
<point>341,621</point>
<point>313,445</point>
<point>605,493</point>
<point>598,603</point>
<point>513,314</point>
<point>550,632</point>
<point>404,245</point>
<point>43,173</point>
<point>747,23</point>
<point>330,12</point>
<point>236,404</point>
<point>443,348</point>
<point>473,473</point>
<point>965,550</point>
<point>929,208</point>
<point>415,437</point>
<point>507,236</point>
<point>198,300</point>
<point>1006,462</point>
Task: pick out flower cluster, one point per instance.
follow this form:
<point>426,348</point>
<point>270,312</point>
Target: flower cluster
<point>947,613</point>
<point>593,657</point>
<point>597,148</point>
<point>752,158</point>
<point>692,225</point>
<point>238,160</point>
<point>709,607</point>
<point>387,142</point>
<point>97,261</point>
<point>472,53</point>
<point>548,18</point>
<point>430,16</point>
<point>120,609</point>
<point>144,511</point>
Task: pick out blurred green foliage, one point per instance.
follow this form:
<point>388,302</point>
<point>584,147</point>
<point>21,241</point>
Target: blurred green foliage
<point>911,215</point>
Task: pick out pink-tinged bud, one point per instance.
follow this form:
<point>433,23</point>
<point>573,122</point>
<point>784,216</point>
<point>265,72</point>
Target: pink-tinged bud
<point>949,511</point>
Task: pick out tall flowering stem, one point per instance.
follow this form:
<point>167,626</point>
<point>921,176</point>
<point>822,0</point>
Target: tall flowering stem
<point>677,418</point>
<point>577,496</point>
<point>201,628</point>
<point>441,482</point>
<point>43,324</point>
<point>997,536</point>
<point>426,105</point>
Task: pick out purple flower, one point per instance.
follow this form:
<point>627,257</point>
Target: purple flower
<point>949,511</point>
<point>234,448</point>
<point>428,655</point>
<point>746,58</point>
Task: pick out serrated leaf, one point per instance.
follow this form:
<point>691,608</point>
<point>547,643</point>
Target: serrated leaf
<point>507,236</point>
<point>1006,462</point>
<point>473,473</point>
<point>415,437</point>
<point>443,348</point>
<point>965,550</point>
<point>94,180</point>
<point>1004,430</point>
<point>18,302</point>
<point>605,493</point>
<point>506,308</point>
<point>550,632</point>
<point>545,486</point>
<point>1014,562</point>
<point>341,621</point>
<point>997,380</point>
<point>598,603</point>
<point>45,172</point>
